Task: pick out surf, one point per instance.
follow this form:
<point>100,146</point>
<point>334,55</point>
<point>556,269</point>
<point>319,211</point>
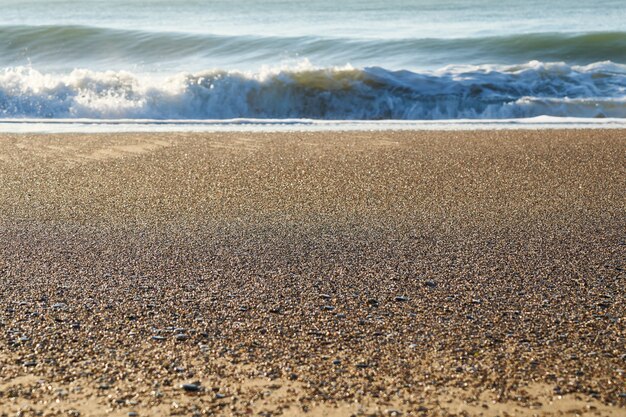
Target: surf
<point>337,93</point>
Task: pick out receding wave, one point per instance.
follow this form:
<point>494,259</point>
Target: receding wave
<point>106,48</point>
<point>471,92</point>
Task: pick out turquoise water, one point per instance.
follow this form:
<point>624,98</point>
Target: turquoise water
<point>320,59</point>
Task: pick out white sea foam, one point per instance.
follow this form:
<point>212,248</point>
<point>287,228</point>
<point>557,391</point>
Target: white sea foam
<point>305,92</point>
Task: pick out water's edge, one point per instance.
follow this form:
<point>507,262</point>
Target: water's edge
<point>297,125</point>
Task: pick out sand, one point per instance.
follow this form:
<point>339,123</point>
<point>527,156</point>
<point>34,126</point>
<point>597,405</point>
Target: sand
<point>319,274</point>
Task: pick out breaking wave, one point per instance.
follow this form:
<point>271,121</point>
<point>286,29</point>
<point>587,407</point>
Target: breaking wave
<point>373,93</point>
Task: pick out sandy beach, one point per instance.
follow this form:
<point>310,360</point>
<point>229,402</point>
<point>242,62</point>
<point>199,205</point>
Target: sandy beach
<point>316,274</point>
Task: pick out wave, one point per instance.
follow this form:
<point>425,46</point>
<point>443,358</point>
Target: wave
<point>374,93</point>
<point>98,48</point>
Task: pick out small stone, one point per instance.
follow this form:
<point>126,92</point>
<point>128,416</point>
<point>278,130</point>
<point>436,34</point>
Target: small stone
<point>30,364</point>
<point>132,414</point>
<point>219,396</point>
<point>328,308</point>
<point>401,299</point>
<point>158,338</point>
<point>293,377</point>
<point>622,395</point>
<point>373,302</point>
<point>394,413</point>
<point>195,387</point>
<point>24,339</point>
<point>59,306</point>
<point>362,365</point>
<point>337,362</point>
<point>181,337</point>
<point>430,284</point>
<point>325,296</point>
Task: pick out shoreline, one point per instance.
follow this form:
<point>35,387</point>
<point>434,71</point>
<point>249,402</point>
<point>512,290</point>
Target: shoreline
<point>313,273</point>
<point>51,126</point>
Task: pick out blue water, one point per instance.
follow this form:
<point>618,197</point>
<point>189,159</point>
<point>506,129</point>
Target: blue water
<point>319,59</point>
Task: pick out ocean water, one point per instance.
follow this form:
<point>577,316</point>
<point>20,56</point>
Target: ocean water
<point>316,60</point>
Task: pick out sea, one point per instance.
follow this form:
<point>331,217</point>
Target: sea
<point>274,64</point>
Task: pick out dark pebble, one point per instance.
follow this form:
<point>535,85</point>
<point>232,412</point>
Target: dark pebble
<point>181,337</point>
<point>158,338</point>
<point>328,308</point>
<point>30,363</point>
<point>362,365</point>
<point>336,362</point>
<point>401,299</point>
<point>219,396</point>
<point>373,302</point>
<point>430,284</point>
<point>192,387</point>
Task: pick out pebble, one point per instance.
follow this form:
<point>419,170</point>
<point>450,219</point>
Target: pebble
<point>219,396</point>
<point>30,363</point>
<point>401,299</point>
<point>158,338</point>
<point>181,337</point>
<point>195,387</point>
<point>373,302</point>
<point>362,365</point>
<point>325,296</point>
<point>328,308</point>
<point>59,306</point>
<point>337,362</point>
<point>430,284</point>
<point>132,414</point>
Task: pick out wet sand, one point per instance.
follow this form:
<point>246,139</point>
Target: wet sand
<point>339,274</point>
